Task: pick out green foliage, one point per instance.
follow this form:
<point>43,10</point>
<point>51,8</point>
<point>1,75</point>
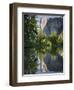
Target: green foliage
<point>30,65</point>
<point>56,44</point>
<point>43,44</point>
<point>30,31</point>
<point>52,44</point>
<point>30,37</point>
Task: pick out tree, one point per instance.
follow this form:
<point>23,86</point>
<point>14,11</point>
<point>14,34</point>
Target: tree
<point>30,36</point>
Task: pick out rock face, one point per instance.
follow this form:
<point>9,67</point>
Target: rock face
<point>54,24</point>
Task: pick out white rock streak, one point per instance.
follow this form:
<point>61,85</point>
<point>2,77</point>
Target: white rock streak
<point>43,22</point>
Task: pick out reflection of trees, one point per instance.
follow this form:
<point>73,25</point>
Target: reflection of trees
<point>56,44</point>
